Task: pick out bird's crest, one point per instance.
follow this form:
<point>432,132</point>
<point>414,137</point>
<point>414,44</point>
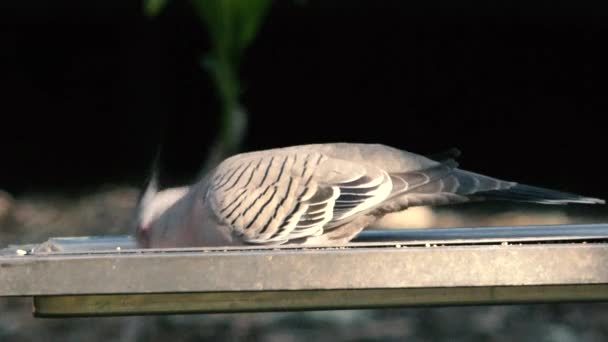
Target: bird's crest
<point>150,189</point>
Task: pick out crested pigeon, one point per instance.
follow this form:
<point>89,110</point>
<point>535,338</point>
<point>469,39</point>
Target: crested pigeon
<point>318,194</point>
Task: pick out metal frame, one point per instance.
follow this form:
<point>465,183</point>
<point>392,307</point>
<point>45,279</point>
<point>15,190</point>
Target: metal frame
<point>447,266</point>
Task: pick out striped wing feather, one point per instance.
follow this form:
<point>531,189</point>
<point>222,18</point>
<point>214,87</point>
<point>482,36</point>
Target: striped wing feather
<point>274,198</point>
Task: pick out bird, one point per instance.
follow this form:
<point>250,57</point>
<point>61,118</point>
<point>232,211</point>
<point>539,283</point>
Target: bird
<point>315,194</point>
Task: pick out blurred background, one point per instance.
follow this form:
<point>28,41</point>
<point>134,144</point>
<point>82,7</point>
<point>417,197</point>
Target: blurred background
<point>91,91</point>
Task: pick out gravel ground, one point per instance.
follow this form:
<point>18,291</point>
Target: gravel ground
<point>36,217</point>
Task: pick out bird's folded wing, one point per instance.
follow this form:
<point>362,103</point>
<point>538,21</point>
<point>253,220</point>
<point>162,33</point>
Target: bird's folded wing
<point>273,198</point>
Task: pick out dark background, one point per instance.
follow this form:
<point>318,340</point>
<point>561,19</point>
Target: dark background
<point>89,89</point>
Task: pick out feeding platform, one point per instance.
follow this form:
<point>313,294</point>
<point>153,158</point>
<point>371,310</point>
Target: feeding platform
<point>104,276</point>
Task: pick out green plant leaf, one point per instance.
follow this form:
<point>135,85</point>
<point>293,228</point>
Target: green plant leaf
<point>251,15</point>
<point>153,7</point>
<point>232,24</point>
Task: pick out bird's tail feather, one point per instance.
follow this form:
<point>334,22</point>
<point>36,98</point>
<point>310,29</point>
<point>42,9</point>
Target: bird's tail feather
<point>475,186</point>
<point>488,188</point>
<point>533,194</point>
<point>453,184</point>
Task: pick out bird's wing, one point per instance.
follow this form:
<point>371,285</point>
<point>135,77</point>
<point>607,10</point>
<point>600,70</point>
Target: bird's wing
<point>275,197</point>
<point>270,198</point>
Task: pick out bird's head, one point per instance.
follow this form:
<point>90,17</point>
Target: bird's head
<point>151,206</point>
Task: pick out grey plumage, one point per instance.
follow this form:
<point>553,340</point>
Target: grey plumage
<point>321,194</point>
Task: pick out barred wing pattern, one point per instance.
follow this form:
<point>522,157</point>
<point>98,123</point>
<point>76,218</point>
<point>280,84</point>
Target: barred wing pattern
<point>319,193</point>
<point>274,198</point>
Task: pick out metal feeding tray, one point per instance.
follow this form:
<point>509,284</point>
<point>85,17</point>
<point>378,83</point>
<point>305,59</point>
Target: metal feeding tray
<point>88,276</point>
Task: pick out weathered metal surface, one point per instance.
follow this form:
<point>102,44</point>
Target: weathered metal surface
<point>448,266</point>
<point>257,301</point>
<point>572,232</point>
<point>404,237</point>
<point>138,271</point>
